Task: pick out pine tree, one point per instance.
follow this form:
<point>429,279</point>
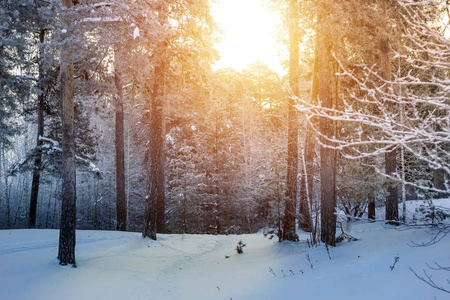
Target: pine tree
<point>155,202</point>
<point>292,158</point>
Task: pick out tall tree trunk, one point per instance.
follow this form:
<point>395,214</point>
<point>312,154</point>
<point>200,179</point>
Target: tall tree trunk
<point>306,195</point>
<point>66,251</point>
<point>390,156</point>
<point>292,155</point>
<point>4,185</point>
<point>40,132</point>
<point>155,202</point>
<point>120,157</point>
<point>327,154</point>
<point>184,198</point>
<point>217,170</point>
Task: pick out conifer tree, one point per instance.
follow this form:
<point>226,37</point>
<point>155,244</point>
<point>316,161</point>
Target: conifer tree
<point>292,158</point>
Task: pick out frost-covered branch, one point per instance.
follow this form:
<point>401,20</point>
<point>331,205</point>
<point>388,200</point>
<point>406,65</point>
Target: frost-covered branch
<point>51,150</point>
<point>411,111</point>
<point>427,278</point>
<point>27,77</point>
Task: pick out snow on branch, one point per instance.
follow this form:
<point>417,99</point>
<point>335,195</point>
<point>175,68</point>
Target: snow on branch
<point>101,20</point>
<point>103,4</point>
<point>27,77</point>
<point>411,111</point>
<point>50,150</point>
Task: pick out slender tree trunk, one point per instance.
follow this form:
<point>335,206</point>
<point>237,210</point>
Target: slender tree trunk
<point>67,238</point>
<point>216,171</point>
<point>305,204</point>
<point>371,205</point>
<point>184,198</point>
<point>390,156</point>
<point>95,203</point>
<point>155,202</point>
<point>292,156</point>
<point>120,157</point>
<point>306,196</point>
<point>40,132</point>
<point>438,180</point>
<point>66,252</point>
<point>49,205</point>
<point>392,192</point>
<point>7,191</point>
<point>55,204</point>
<point>280,235</point>
<point>327,155</point>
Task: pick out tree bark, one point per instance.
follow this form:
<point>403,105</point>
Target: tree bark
<point>67,238</point>
<point>155,202</point>
<point>155,205</point>
<point>392,192</point>
<point>371,206</point>
<point>390,156</point>
<point>66,252</point>
<point>292,155</point>
<point>120,157</point>
<point>327,154</point>
<point>40,132</point>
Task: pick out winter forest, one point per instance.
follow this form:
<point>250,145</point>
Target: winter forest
<point>117,116</point>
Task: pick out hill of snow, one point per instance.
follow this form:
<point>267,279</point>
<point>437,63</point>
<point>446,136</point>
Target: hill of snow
<point>118,265</point>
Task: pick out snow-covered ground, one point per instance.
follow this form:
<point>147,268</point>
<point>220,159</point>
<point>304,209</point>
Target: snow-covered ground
<point>117,265</point>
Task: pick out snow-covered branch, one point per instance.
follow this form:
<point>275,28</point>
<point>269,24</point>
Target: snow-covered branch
<point>27,77</point>
<point>411,111</point>
<point>51,150</point>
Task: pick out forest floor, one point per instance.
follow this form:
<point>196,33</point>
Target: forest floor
<point>118,265</point>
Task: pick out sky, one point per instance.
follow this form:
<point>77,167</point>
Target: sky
<point>249,34</point>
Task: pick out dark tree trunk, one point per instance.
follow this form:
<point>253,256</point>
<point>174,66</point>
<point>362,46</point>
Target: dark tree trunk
<point>439,182</point>
<point>155,202</point>
<point>217,169</point>
<point>390,156</point>
<point>40,132</point>
<point>66,252</point>
<point>305,220</point>
<point>292,159</point>
<point>67,238</point>
<point>392,192</point>
<point>327,155</point>
<point>371,206</point>
<point>156,199</point>
<point>438,179</point>
<point>120,157</point>
<point>184,199</point>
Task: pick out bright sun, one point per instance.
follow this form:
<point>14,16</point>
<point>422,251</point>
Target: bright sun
<point>249,34</point>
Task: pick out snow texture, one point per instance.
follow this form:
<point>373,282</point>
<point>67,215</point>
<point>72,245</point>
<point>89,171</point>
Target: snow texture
<point>120,265</point>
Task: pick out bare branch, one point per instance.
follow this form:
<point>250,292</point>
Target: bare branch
<point>428,280</point>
